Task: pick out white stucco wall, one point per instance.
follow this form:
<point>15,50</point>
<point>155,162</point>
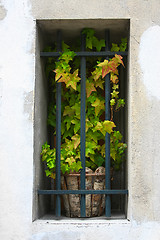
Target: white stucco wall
<point>17,81</point>
<point>17,31</point>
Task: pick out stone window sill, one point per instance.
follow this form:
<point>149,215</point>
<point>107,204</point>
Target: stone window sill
<point>115,219</point>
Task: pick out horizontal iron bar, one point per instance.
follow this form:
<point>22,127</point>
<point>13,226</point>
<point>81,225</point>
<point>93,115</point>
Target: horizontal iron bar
<point>85,54</point>
<point>60,192</point>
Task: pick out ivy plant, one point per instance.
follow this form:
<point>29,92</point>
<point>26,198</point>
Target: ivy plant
<point>66,70</point>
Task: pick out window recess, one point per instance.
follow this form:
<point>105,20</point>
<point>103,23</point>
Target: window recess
<point>114,192</point>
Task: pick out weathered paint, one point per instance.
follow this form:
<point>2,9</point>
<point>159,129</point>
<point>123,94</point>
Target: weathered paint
<point>17,79</point>
<point>3,12</point>
<point>149,60</point>
<point>16,141</point>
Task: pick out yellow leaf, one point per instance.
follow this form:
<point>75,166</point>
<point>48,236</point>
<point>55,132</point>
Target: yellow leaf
<point>53,175</point>
<point>76,140</point>
<point>108,126</point>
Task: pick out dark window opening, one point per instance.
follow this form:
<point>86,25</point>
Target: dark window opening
<point>114,194</point>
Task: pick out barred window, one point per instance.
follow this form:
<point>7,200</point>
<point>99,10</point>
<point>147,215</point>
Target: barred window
<point>84,75</point>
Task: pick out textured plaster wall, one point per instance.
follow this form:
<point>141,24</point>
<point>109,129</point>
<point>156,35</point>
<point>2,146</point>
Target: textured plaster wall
<point>17,34</point>
<point>17,80</point>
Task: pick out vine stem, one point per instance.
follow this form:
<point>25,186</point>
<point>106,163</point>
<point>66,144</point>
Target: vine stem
<point>111,113</point>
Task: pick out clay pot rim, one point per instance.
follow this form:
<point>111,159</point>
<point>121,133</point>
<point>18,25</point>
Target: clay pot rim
<point>87,174</point>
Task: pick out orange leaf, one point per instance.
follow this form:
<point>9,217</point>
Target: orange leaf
<point>105,71</point>
<point>119,59</point>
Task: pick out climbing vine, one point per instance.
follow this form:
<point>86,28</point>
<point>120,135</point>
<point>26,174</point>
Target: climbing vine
<point>66,71</point>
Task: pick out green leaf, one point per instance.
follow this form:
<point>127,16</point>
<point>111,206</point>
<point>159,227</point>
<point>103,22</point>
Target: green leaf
<point>48,173</point>
<point>88,32</point>
<point>112,102</point>
<point>114,78</point>
<point>64,168</point>
<point>73,80</point>
<point>76,128</point>
<point>76,123</point>
<point>97,72</point>
<point>68,133</point>
<point>76,166</point>
<point>99,126</point>
<point>115,86</point>
<point>63,128</point>
<point>123,44</point>
<point>68,111</point>
<point>98,44</point>
<point>99,105</point>
<point>103,150</point>
<point>50,164</point>
<point>67,56</point>
<point>105,127</point>
<point>115,47</point>
<point>88,124</point>
<point>99,160</point>
<point>76,140</point>
<point>89,37</point>
<point>89,88</point>
<point>117,135</point>
<point>91,99</point>
<point>100,83</point>
<point>113,153</point>
<point>120,103</point>
<point>89,43</point>
<point>90,148</point>
<point>70,160</point>
<point>114,94</point>
<point>76,108</point>
<point>68,125</point>
<point>65,47</point>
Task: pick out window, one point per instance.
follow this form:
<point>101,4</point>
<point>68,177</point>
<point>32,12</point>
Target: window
<point>112,200</point>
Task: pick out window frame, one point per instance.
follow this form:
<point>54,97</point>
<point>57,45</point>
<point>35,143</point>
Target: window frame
<point>107,191</point>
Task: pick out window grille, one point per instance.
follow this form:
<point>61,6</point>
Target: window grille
<point>58,192</point>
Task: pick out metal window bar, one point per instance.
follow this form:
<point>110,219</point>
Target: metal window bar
<point>107,137</point>
<point>58,134</point>
<point>83,123</point>
<point>85,54</point>
<point>107,191</point>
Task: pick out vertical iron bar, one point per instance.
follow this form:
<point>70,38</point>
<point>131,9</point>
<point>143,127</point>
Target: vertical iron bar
<point>83,119</point>
<point>58,134</point>
<point>107,137</point>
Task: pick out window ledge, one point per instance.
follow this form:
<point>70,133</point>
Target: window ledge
<point>51,219</point>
